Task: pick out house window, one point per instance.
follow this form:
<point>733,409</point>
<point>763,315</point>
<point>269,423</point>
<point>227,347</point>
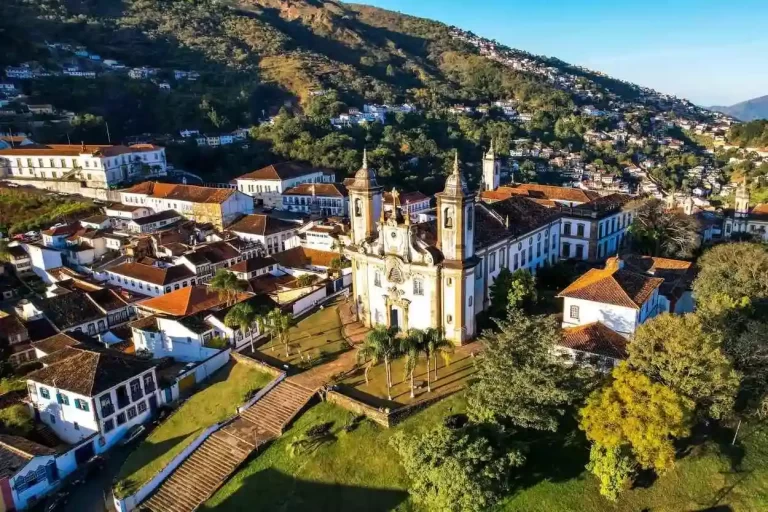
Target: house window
<point>567,228</point>
<point>449,319</point>
<point>492,263</point>
<point>136,392</point>
<point>91,329</point>
<point>121,418</point>
<point>575,312</point>
<point>44,393</point>
<point>142,406</point>
<point>566,250</point>
<point>122,397</point>
<point>107,409</point>
<point>502,258</point>
<point>580,252</point>
<point>377,279</point>
<point>516,262</point>
<point>522,257</point>
<point>109,425</point>
<point>580,230</point>
<point>81,404</point>
<point>149,383</point>
<point>418,287</point>
<point>62,399</point>
<point>131,413</point>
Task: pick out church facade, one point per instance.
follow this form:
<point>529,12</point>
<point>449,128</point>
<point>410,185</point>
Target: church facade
<point>743,220</point>
<point>437,274</point>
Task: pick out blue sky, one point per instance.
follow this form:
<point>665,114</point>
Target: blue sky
<point>711,52</point>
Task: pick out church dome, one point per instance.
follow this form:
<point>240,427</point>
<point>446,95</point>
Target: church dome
<point>364,177</point>
<point>455,184</point>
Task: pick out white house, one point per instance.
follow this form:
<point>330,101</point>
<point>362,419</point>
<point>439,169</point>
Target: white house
<point>93,393</point>
<point>219,206</point>
<point>150,280</point>
<point>272,233</point>
<point>98,166</point>
<point>151,223</point>
<point>268,184</point>
<point>43,259</point>
<point>614,296</point>
<point>323,198</point>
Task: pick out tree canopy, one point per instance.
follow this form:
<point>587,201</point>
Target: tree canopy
<point>458,470</point>
<point>675,350</point>
<point>659,232</point>
<point>519,379</point>
<point>731,275</point>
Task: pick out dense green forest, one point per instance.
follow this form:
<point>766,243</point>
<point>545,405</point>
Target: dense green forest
<point>753,134</point>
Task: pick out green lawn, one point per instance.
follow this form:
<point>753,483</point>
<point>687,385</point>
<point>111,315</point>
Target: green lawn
<point>315,337</point>
<point>359,471</point>
<point>227,389</point>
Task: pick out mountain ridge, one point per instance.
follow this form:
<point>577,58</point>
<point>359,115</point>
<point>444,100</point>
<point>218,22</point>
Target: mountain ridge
<point>748,110</point>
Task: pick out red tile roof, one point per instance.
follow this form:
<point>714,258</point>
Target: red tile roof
<point>537,191</point>
<point>186,301</point>
<point>281,171</point>
<point>259,224</point>
<point>154,275</point>
<point>612,285</point>
<point>595,338</point>
<point>191,193</point>
<point>75,150</point>
<point>302,256</point>
<point>318,189</point>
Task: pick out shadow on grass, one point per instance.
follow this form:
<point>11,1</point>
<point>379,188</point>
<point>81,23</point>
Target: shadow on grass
<point>144,454</point>
<point>272,490</point>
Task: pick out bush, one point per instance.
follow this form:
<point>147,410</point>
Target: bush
<point>16,420</point>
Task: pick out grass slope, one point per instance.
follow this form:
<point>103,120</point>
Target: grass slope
<point>228,388</point>
<point>22,210</point>
<point>359,471</point>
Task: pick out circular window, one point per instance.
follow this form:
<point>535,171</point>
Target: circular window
<point>394,234</point>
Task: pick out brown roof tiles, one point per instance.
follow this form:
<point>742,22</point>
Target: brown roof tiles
<point>281,171</point>
<point>259,224</point>
<point>612,285</point>
<point>191,193</point>
<point>595,338</point>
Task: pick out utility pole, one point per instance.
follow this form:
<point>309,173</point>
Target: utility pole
<point>109,139</point>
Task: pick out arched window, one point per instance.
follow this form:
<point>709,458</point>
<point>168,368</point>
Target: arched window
<point>358,207</point>
<point>448,217</point>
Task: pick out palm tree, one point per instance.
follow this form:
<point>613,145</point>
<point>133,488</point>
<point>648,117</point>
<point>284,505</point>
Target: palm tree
<point>241,316</point>
<point>228,285</point>
<point>412,346</point>
<point>436,344</point>
<point>281,325</point>
<point>381,344</point>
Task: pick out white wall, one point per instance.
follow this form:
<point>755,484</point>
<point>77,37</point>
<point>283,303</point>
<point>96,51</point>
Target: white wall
<point>42,260</point>
<point>68,422</point>
<point>621,319</point>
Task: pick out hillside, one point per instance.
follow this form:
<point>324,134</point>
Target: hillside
<point>750,110</point>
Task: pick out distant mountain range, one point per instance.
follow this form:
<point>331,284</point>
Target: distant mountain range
<point>756,108</point>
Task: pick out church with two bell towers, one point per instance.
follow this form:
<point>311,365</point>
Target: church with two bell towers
<point>437,273</point>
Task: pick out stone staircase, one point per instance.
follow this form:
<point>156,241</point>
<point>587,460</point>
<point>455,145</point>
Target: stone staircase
<point>277,408</point>
<point>212,463</point>
<point>198,477</point>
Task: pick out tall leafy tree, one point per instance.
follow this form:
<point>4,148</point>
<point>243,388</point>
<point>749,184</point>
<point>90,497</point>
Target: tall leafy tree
<point>614,467</point>
<point>659,232</point>
<point>635,413</point>
<point>280,326</point>
<point>731,275</point>
<point>674,350</point>
<point>519,379</point>
<point>455,470</point>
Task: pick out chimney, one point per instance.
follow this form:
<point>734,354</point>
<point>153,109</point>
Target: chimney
<point>614,263</point>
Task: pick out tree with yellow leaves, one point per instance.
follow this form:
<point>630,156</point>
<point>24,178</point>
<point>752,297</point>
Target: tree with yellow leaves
<point>639,417</point>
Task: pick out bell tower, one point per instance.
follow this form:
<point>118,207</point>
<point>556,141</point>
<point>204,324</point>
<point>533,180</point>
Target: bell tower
<point>456,216</point>
<point>491,169</point>
<point>365,203</point>
<point>742,200</point>
<point>456,240</point>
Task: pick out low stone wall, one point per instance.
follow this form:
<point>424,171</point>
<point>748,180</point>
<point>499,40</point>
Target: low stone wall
<point>381,417</point>
<point>261,365</point>
<point>68,187</point>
